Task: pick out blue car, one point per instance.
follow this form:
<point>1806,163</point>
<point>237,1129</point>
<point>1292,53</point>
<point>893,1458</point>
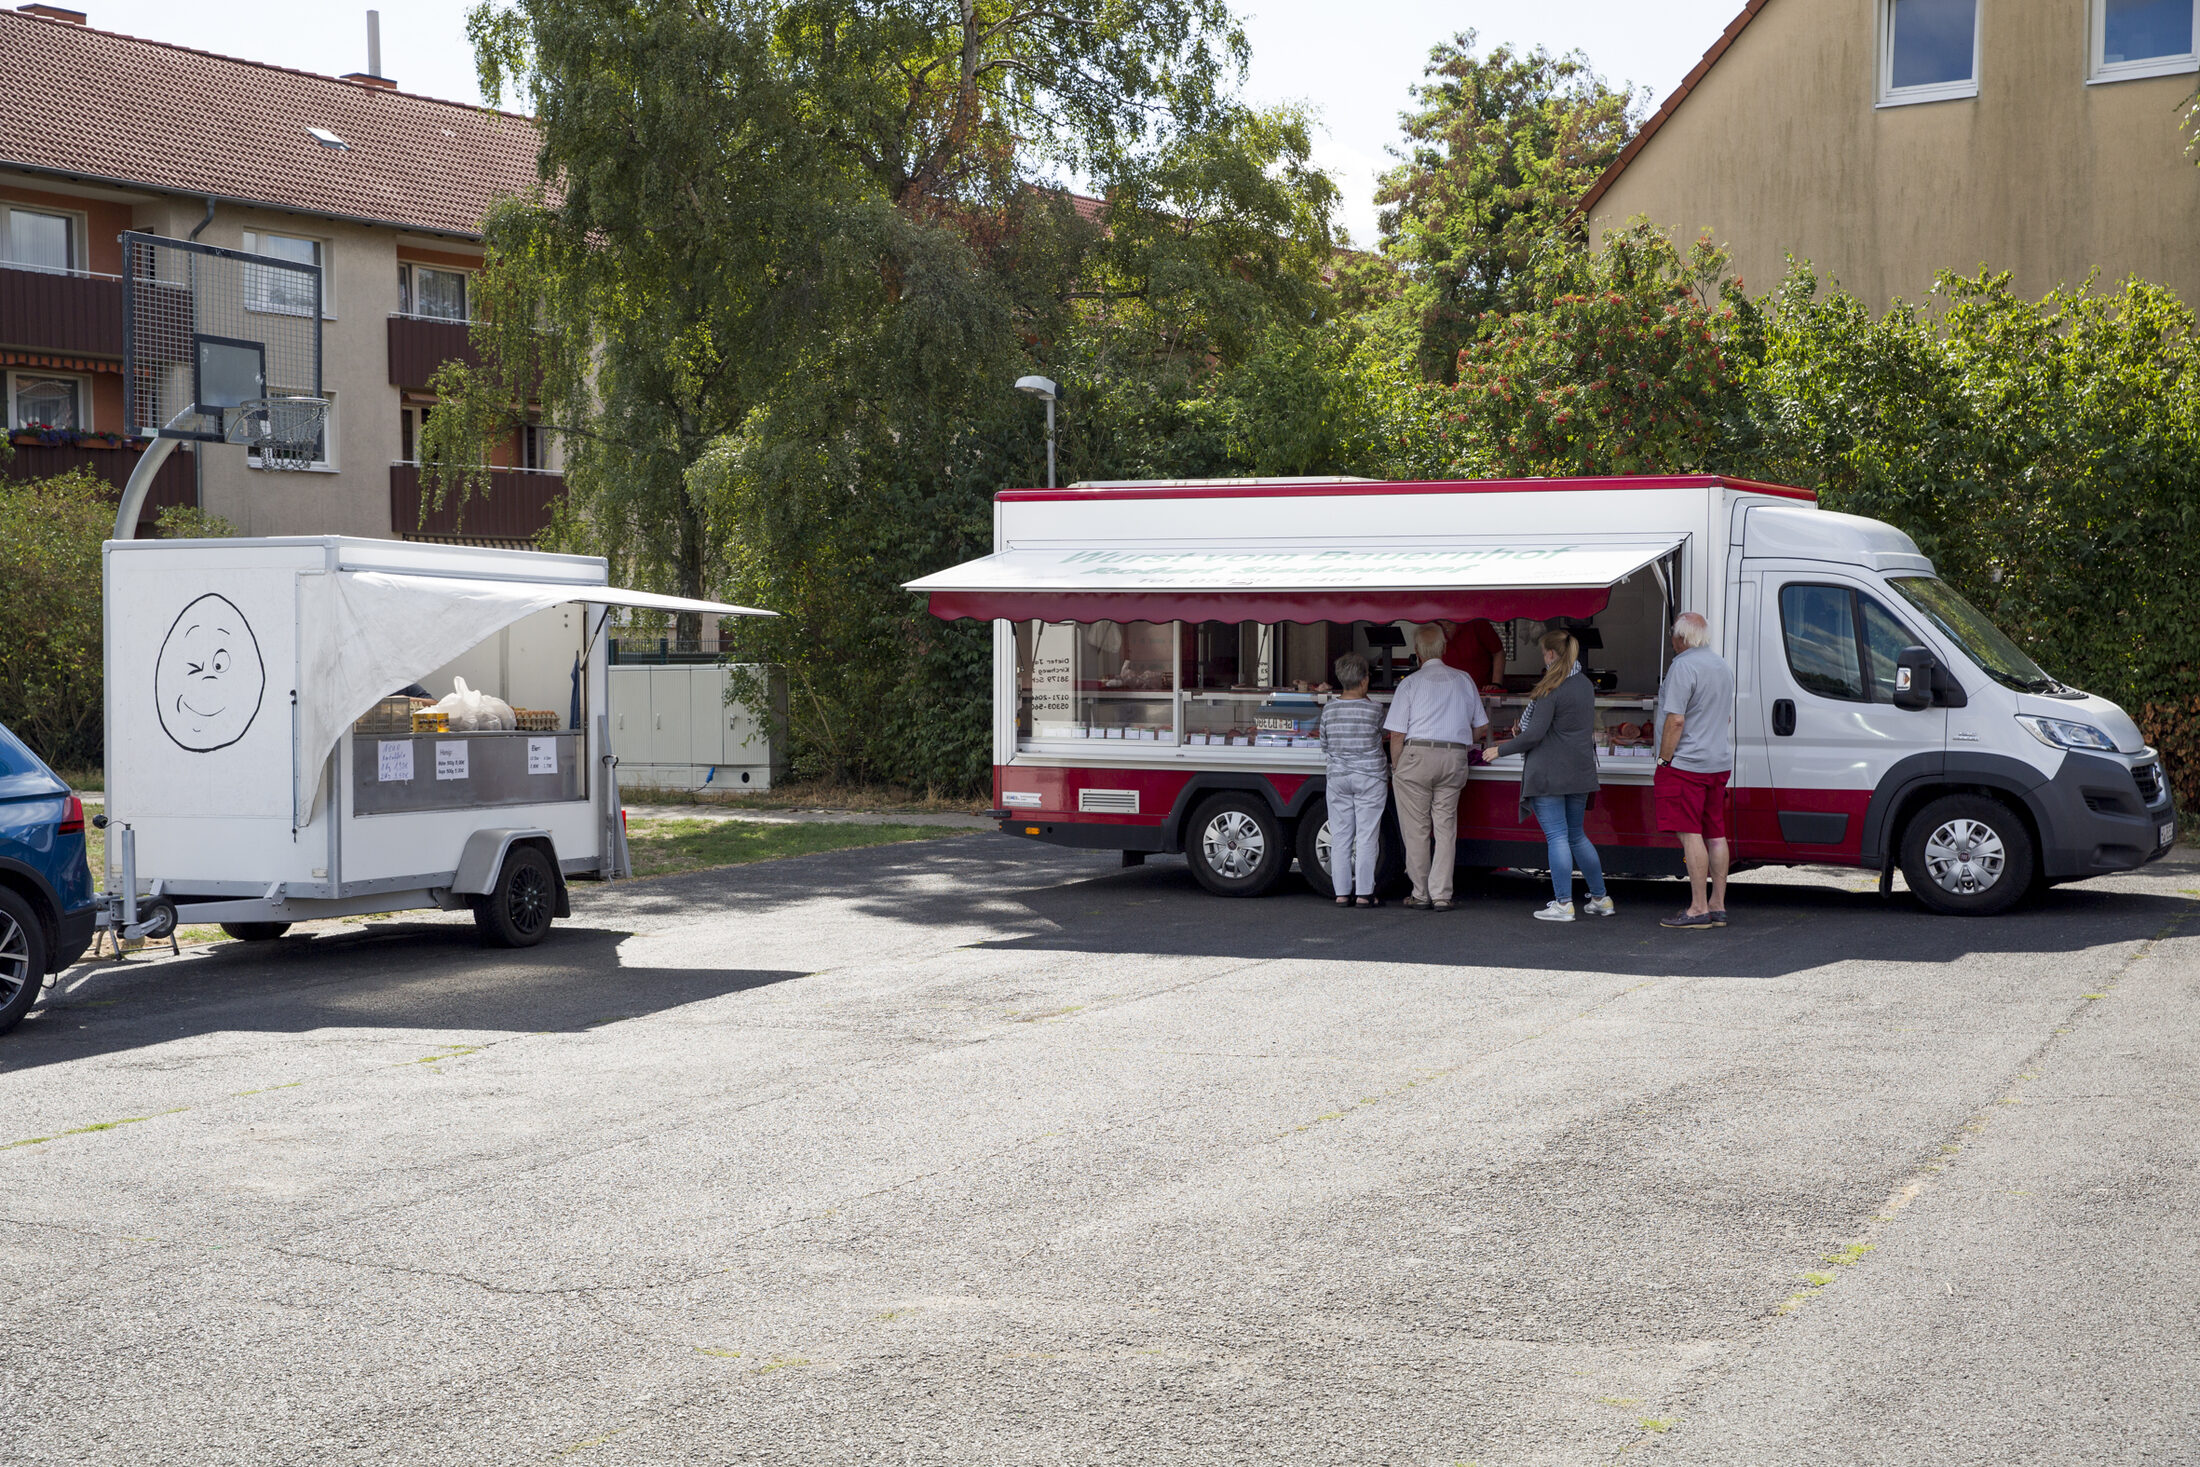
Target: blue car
<point>46,906</point>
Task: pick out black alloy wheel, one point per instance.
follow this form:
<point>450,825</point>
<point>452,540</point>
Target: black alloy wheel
<point>518,912</point>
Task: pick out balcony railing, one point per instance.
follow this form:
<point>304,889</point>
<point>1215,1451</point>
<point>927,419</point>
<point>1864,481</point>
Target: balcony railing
<point>517,508</point>
<point>60,311</point>
<point>421,344</point>
<point>174,484</point>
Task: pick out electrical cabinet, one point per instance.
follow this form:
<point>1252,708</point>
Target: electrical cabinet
<point>672,728</point>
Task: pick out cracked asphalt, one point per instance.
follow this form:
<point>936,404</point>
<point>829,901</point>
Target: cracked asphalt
<point>970,1151</point>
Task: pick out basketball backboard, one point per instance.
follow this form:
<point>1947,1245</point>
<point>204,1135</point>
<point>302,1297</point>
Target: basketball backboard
<point>208,331</point>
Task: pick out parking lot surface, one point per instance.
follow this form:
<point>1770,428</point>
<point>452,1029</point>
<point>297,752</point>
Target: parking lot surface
<point>971,1151</point>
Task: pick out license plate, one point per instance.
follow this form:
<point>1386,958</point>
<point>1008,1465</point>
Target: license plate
<point>2169,831</point>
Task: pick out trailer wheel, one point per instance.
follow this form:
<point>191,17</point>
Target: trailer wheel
<point>1967,855</point>
<point>1314,850</point>
<point>518,912</point>
<point>1236,846</point>
<point>255,931</point>
<point>22,958</point>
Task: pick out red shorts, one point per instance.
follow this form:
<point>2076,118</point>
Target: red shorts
<point>1690,803</point>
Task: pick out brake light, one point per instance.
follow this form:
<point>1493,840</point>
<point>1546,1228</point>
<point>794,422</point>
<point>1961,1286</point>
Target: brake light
<point>622,822</point>
<point>73,822</point>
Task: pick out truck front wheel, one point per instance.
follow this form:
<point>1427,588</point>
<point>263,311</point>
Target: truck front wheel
<point>1236,846</point>
<point>518,912</point>
<point>1968,855</point>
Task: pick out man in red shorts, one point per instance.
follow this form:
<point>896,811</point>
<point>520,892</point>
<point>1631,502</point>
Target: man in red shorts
<point>1695,760</point>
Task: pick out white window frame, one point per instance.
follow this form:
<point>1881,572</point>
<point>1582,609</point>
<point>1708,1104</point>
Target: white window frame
<point>83,397</point>
<point>1890,96</point>
<point>78,227</point>
<point>323,250</point>
<point>2098,71</point>
<point>409,288</point>
<point>329,462</point>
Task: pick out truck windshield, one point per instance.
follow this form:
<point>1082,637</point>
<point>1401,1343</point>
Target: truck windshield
<point>1967,627</point>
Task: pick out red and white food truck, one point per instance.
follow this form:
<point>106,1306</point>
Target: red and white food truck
<point>1161,651</point>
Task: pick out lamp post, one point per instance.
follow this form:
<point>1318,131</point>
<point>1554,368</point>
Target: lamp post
<point>1044,389</point>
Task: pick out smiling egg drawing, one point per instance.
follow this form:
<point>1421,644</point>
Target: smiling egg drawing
<point>209,678</point>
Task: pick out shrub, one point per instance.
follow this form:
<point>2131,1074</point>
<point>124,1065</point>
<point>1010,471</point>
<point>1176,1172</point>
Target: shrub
<point>50,533</point>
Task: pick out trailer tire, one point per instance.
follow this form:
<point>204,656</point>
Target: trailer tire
<point>255,931</point>
<point>1313,842</point>
<point>519,911</point>
<point>1236,846</point>
<point>22,958</point>
<point>1968,856</point>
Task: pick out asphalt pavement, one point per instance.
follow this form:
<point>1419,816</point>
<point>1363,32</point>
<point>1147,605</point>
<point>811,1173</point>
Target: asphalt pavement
<point>968,1151</point>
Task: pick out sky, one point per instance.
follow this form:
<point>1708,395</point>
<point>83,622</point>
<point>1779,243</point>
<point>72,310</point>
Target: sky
<point>1351,62</point>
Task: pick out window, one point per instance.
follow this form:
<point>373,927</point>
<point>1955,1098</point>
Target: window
<point>1097,680</point>
<point>33,239</point>
<point>323,454</point>
<point>531,447</point>
<point>1928,50</point>
<point>2135,38</point>
<point>284,292</point>
<point>1967,627</point>
<point>440,295</point>
<point>48,402</point>
<point>1842,643</point>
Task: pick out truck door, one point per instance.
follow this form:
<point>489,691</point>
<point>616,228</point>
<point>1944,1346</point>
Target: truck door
<point>1825,661</point>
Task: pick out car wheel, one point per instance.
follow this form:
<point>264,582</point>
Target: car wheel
<point>1314,852</point>
<point>1235,845</point>
<point>22,959</point>
<point>518,912</point>
<point>1968,855</point>
<point>255,931</point>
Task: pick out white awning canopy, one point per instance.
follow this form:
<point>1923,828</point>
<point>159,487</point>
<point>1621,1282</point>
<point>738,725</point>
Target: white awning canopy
<point>364,633</point>
<point>1423,580</point>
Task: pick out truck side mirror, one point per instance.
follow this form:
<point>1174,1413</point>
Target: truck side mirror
<point>1913,678</point>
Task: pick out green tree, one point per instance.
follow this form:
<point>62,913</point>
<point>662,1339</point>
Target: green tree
<point>1496,154</point>
<point>50,664</point>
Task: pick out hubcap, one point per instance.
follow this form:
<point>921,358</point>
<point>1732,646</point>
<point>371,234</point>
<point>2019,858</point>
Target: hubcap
<point>15,958</point>
<point>1321,848</point>
<point>1234,845</point>
<point>530,899</point>
<point>1964,857</point>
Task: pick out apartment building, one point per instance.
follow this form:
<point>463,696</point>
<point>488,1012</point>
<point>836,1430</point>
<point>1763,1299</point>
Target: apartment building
<point>1885,140</point>
<point>384,190</point>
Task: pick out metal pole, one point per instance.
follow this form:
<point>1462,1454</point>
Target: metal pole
<point>1050,443</point>
<point>141,479</point>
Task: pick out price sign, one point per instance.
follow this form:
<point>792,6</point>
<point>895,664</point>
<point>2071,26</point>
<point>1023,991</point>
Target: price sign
<point>394,760</point>
<point>450,759</point>
<point>542,756</point>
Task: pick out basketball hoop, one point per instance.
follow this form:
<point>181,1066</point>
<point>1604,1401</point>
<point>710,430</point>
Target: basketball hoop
<point>282,432</point>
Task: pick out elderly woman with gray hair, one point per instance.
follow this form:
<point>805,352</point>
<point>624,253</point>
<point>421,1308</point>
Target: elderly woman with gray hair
<point>1558,735</point>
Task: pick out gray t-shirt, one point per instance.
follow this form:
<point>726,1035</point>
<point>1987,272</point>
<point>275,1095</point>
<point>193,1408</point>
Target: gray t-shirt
<point>1699,686</point>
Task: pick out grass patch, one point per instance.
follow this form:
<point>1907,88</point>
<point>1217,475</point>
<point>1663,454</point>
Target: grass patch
<point>664,847</point>
<point>818,794</point>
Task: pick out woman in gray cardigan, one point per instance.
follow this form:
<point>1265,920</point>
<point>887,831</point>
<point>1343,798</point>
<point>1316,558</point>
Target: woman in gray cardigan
<point>1558,735</point>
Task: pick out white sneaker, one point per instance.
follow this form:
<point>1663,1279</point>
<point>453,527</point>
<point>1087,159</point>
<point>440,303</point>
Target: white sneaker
<point>1556,911</point>
<point>1598,906</point>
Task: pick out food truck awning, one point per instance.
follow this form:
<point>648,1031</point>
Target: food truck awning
<point>363,634</point>
<point>1423,580</point>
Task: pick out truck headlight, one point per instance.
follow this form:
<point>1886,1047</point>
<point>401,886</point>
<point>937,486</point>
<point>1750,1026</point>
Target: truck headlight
<point>2061,733</point>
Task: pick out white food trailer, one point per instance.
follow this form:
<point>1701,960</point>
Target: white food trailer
<point>260,771</point>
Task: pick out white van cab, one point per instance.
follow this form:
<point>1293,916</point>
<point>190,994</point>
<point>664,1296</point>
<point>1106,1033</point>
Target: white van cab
<point>1162,650</point>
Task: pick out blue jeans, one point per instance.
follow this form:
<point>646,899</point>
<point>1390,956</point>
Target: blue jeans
<point>1560,817</point>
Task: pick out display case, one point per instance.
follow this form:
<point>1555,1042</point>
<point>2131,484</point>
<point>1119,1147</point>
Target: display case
<point>396,773</point>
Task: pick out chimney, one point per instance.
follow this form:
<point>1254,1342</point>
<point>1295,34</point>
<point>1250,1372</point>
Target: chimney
<point>372,76</point>
<point>55,12</point>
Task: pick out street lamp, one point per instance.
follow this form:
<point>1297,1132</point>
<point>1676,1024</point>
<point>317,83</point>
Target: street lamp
<point>1044,389</point>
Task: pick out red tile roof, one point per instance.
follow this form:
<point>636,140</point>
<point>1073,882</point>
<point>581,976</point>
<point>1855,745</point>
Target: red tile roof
<point>94,104</point>
<point>1672,104</point>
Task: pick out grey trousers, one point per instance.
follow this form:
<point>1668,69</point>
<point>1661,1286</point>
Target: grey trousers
<point>1427,783</point>
<point>1356,800</point>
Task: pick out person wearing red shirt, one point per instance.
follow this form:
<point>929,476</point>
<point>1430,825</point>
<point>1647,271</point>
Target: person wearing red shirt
<point>1474,648</point>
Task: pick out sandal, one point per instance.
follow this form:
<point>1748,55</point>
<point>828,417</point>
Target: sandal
<point>1370,901</point>
<point>1440,906</point>
<point>1344,901</point>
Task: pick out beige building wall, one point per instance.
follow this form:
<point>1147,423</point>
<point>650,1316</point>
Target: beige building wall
<point>1781,149</point>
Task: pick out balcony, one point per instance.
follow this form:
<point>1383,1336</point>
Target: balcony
<point>517,509</point>
<point>57,311</point>
<point>174,484</point>
<point>421,344</point>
